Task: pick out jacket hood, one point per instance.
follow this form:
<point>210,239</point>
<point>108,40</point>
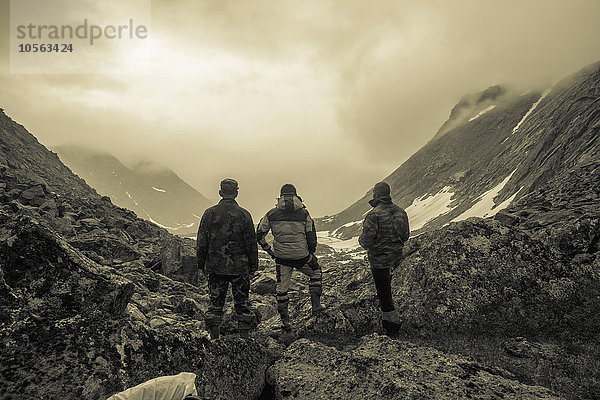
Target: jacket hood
<point>289,202</point>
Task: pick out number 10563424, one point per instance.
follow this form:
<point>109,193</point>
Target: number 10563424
<point>45,48</point>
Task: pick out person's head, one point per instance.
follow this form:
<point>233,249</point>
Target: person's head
<point>381,190</point>
<point>229,188</point>
<point>287,194</point>
<point>288,189</point>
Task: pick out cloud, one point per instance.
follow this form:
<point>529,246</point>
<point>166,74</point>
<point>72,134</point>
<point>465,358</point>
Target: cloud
<point>330,95</point>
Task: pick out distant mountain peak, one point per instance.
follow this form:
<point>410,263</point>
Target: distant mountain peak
<point>154,192</point>
<point>473,105</point>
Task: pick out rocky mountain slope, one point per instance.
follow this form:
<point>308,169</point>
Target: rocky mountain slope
<point>154,193</point>
<point>495,148</point>
<point>87,303</point>
<point>502,307</point>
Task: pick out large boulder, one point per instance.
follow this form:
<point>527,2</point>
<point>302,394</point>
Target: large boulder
<point>264,284</point>
<point>51,280</point>
<point>178,259</point>
<point>379,367</point>
<point>480,277</point>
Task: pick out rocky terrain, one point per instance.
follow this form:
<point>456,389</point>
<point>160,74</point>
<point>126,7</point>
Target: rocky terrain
<point>94,300</point>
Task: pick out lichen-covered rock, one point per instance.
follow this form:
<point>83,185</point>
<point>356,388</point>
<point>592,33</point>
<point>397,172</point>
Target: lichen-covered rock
<point>264,284</point>
<point>73,329</point>
<point>52,280</point>
<point>478,276</point>
<point>475,277</point>
<point>379,367</point>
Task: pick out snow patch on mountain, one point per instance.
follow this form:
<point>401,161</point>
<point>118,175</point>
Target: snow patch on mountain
<point>348,225</point>
<point>157,223</point>
<point>426,208</point>
<point>179,226</point>
<point>158,190</point>
<point>486,207</point>
<point>533,107</point>
<point>506,202</point>
<point>325,238</point>
<point>490,108</point>
<point>135,202</point>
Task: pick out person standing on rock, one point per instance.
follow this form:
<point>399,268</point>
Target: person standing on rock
<point>294,245</point>
<point>385,229</point>
<point>227,253</point>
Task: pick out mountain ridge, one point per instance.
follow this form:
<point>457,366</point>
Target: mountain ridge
<point>154,193</point>
<point>514,140</point>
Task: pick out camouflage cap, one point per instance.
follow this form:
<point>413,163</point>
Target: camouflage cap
<point>229,186</point>
<point>381,189</point>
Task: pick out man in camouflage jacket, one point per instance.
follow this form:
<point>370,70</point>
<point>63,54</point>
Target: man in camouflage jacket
<point>385,229</point>
<point>227,252</point>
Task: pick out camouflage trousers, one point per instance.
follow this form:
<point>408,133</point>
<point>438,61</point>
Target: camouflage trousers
<point>240,288</point>
<point>311,268</point>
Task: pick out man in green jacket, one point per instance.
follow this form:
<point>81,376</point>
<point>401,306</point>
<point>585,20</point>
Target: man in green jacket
<point>227,252</point>
<point>385,229</point>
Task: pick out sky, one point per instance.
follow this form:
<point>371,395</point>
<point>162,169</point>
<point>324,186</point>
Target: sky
<point>331,96</point>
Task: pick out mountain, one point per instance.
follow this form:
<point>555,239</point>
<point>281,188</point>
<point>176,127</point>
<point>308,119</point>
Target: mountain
<point>94,300</point>
<point>153,193</point>
<point>496,147</point>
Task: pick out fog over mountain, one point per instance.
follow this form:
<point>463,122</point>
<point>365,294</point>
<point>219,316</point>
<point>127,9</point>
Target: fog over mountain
<point>330,98</point>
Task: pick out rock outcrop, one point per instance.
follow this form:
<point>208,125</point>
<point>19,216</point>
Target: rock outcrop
<point>36,183</point>
<point>72,328</point>
<point>379,367</point>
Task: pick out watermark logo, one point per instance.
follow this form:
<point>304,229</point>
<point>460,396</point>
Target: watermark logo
<point>83,31</point>
<point>75,37</point>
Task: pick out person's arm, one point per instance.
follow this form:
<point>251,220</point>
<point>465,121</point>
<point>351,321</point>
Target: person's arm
<point>369,231</point>
<point>261,232</point>
<point>202,239</point>
<point>405,231</point>
<point>311,234</point>
<point>251,246</point>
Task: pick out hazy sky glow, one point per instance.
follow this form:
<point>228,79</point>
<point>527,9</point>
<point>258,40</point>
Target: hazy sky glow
<point>329,95</point>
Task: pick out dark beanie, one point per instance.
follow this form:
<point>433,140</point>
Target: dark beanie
<point>288,188</point>
<point>229,186</point>
<point>381,189</point>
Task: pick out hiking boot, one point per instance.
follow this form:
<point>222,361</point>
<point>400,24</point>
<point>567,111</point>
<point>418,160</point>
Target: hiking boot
<point>315,301</point>
<point>390,322</point>
<point>214,332</point>
<point>391,328</point>
<point>285,324</point>
<point>244,333</point>
<point>284,314</point>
